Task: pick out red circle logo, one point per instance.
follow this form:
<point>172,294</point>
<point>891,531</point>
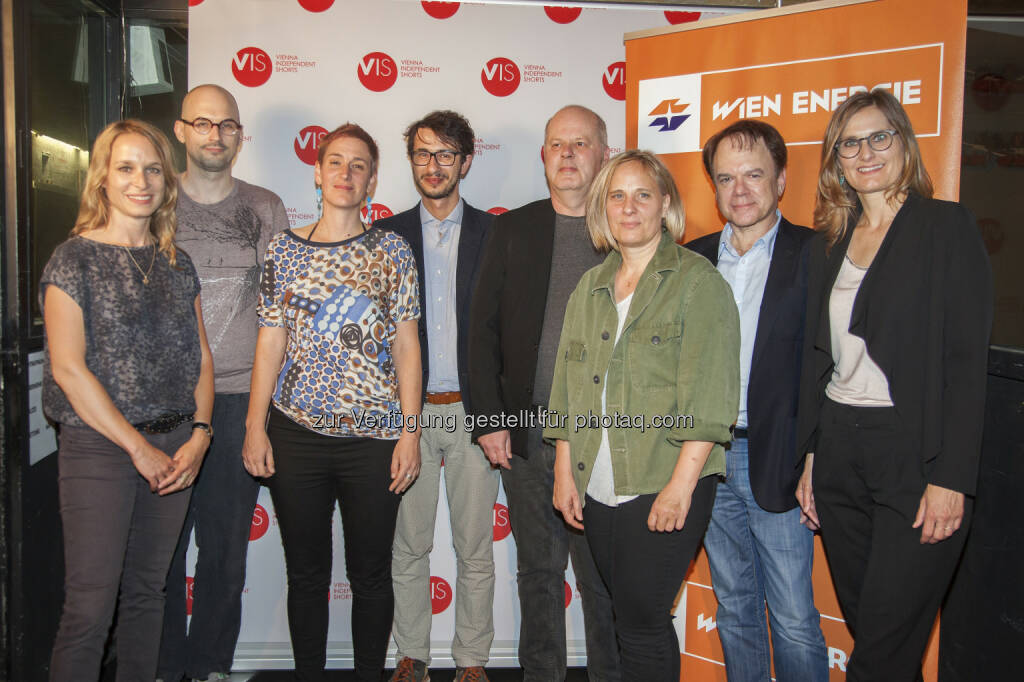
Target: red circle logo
<point>497,210</point>
<point>568,593</point>
<point>502,523</point>
<point>307,143</point>
<point>252,67</point>
<point>189,586</point>
<point>379,211</point>
<point>193,3</point>
<point>440,10</point>
<point>681,17</point>
<point>316,5</point>
<point>440,594</point>
<point>260,523</point>
<point>562,15</point>
<point>614,81</point>
<point>500,77</point>
<point>377,71</point>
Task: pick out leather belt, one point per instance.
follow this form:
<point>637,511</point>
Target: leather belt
<point>444,398</point>
<point>739,433</point>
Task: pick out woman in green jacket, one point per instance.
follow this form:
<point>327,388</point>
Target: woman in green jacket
<point>645,390</point>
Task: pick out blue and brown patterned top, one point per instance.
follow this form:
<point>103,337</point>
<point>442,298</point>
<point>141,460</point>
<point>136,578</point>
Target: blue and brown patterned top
<point>341,304</point>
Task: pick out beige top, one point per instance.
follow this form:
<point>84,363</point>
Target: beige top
<point>856,379</point>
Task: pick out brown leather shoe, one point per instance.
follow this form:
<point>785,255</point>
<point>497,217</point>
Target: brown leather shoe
<point>473,674</point>
<point>410,670</point>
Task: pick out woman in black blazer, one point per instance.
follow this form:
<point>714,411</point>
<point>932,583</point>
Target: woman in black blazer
<point>893,388</point>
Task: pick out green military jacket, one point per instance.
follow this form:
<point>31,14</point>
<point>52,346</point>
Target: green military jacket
<point>673,376</point>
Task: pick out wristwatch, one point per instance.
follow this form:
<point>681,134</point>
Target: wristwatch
<point>204,426</point>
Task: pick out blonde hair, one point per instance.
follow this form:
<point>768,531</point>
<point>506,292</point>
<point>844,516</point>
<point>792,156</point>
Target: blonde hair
<point>94,208</point>
<point>837,204</point>
<point>597,215</point>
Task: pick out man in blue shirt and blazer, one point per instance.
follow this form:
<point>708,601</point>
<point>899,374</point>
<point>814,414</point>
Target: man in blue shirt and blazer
<point>757,548</point>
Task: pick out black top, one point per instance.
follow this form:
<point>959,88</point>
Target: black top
<point>141,340</point>
<point>507,316</point>
<point>924,311</point>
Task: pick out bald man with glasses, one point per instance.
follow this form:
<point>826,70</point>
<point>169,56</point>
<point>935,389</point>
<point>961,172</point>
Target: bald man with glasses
<point>224,224</point>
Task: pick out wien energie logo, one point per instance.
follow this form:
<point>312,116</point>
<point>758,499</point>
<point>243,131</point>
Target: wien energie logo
<point>668,115</point>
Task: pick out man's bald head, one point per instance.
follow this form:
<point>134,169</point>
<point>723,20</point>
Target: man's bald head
<point>213,152</point>
<point>600,129</point>
<point>208,95</point>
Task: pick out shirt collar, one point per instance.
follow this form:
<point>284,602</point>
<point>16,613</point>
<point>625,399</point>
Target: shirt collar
<point>767,240</point>
<point>665,258</point>
<point>455,217</point>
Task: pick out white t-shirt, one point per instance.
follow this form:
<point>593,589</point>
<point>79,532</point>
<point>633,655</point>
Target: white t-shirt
<point>602,480</point>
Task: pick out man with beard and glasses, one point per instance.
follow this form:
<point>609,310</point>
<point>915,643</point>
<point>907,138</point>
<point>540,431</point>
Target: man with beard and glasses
<point>224,224</point>
<point>447,237</point>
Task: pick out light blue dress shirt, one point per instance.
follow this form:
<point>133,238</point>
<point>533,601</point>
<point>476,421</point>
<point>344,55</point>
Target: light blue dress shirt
<point>747,275</point>
<point>440,260</point>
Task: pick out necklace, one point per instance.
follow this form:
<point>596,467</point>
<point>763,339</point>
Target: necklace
<point>309,237</point>
<point>144,273</point>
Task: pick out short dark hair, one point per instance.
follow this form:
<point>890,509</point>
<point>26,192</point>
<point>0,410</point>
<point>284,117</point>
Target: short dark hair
<point>349,130</point>
<point>450,126</point>
<point>750,132</point>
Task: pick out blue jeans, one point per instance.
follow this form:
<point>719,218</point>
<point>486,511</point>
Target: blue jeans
<point>759,556</point>
<point>223,499</point>
<point>543,545</point>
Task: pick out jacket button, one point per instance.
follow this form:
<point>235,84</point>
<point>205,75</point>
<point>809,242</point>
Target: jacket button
<point>581,466</point>
<point>597,379</point>
<point>604,336</point>
<point>655,340</point>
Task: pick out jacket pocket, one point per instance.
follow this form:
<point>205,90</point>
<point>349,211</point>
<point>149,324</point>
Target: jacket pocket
<point>654,355</point>
<point>575,368</point>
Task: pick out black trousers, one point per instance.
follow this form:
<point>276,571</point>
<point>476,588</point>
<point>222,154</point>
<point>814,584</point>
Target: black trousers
<point>312,472</point>
<point>643,571</point>
<point>118,541</point>
<point>868,482</point>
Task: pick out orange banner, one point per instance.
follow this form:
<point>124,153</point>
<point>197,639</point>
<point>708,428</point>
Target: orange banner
<point>791,68</point>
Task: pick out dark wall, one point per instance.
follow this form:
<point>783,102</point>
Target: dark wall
<point>983,622</point>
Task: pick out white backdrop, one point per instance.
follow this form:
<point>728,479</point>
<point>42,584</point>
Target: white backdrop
<point>299,68</point>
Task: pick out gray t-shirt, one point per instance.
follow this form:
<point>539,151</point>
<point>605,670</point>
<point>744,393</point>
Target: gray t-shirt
<point>227,241</point>
<point>572,255</point>
<point>141,340</point>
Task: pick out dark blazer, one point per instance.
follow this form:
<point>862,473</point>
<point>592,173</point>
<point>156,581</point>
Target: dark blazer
<point>476,225</point>
<point>507,317</point>
<point>924,311</point>
<point>774,384</point>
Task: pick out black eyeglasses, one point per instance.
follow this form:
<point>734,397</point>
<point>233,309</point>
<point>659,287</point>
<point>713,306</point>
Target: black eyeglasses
<point>850,147</point>
<point>445,157</point>
<point>228,127</point>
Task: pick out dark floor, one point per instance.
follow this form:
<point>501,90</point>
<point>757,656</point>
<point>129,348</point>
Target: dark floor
<point>436,675</point>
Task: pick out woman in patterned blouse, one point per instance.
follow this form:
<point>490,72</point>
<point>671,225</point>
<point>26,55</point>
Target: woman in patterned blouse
<point>337,368</point>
